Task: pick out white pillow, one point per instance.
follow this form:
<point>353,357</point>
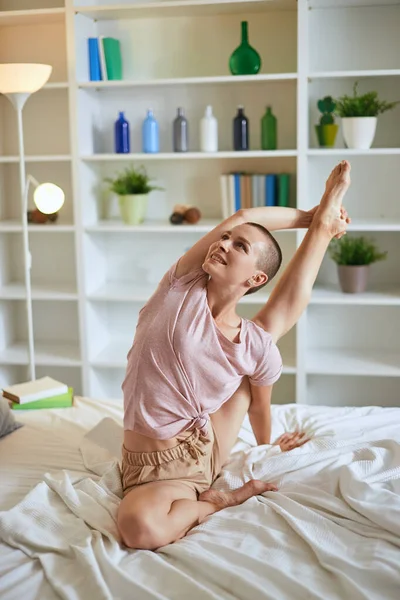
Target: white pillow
<point>8,424</point>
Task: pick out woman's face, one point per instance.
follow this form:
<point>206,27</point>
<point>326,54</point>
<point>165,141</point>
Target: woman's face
<point>233,258</point>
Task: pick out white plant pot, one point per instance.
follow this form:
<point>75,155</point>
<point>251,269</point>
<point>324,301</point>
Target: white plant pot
<point>359,132</point>
<point>133,208</point>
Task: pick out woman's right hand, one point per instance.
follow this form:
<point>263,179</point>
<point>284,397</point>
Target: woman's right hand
<point>289,441</point>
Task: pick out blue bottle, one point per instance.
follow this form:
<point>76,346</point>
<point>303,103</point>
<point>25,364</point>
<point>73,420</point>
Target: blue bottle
<point>122,142</point>
<point>150,138</point>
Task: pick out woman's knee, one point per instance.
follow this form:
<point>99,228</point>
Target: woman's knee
<point>139,529</point>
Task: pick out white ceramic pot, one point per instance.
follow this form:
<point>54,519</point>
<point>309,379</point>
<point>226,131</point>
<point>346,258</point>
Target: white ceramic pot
<point>133,208</point>
<point>359,132</point>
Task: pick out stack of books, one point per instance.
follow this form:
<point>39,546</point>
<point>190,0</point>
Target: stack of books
<point>105,61</point>
<point>250,190</point>
<point>41,393</point>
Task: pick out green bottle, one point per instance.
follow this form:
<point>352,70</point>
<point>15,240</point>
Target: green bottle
<point>268,130</point>
<point>245,60</point>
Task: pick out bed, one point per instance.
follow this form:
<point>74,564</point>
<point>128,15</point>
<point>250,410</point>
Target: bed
<point>332,531</point>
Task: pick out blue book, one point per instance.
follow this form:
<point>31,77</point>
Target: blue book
<point>237,191</point>
<point>94,59</point>
<point>270,190</point>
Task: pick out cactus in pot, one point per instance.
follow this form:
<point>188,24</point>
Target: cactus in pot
<point>327,128</point>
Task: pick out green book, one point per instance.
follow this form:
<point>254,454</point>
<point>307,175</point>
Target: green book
<point>283,189</point>
<point>61,401</point>
<point>112,56</point>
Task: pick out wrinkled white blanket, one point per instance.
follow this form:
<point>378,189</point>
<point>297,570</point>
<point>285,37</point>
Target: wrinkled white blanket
<point>332,531</point>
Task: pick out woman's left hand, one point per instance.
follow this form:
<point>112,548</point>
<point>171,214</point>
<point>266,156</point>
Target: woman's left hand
<point>344,215</point>
<point>288,441</point>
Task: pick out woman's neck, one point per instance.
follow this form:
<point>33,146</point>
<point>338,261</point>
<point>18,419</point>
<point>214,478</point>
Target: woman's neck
<point>222,304</point>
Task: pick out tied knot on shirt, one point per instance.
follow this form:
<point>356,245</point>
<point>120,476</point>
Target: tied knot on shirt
<point>201,422</point>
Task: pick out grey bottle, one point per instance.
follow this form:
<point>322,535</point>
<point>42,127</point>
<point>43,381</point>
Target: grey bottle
<point>180,130</point>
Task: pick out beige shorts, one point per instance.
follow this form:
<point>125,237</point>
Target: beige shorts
<point>194,461</point>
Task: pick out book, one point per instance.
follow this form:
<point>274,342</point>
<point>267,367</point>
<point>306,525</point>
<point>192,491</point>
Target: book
<point>94,59</point>
<point>112,54</point>
<point>283,189</point>
<point>60,401</point>
<point>238,204</point>
<point>31,391</point>
<point>102,59</point>
<point>224,196</point>
<point>270,190</point>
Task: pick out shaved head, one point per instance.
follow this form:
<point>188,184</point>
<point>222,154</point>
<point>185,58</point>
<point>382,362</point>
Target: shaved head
<point>270,257</point>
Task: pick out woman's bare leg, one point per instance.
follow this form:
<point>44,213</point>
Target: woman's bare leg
<point>159,513</point>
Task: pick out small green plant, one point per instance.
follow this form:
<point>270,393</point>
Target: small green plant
<point>131,181</point>
<point>366,105</point>
<point>327,107</point>
<point>355,251</point>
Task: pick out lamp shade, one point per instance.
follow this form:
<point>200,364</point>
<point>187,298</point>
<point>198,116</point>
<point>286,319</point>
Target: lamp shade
<point>25,78</point>
<point>48,198</point>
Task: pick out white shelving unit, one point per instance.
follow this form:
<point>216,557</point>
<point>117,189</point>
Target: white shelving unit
<point>91,273</point>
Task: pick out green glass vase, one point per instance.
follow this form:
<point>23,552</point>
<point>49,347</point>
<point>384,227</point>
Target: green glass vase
<point>269,131</point>
<point>244,60</point>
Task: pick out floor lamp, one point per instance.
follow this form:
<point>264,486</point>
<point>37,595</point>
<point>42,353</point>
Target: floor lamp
<point>18,81</point>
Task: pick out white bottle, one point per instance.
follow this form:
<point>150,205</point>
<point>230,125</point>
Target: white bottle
<point>208,132</point>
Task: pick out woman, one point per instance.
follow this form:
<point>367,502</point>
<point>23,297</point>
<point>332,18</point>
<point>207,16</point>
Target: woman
<point>196,368</point>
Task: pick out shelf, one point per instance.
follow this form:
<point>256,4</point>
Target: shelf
<point>355,74</point>
<point>117,226</point>
<point>155,226</point>
<point>55,85</point>
<point>352,152</point>
<point>111,85</point>
<point>139,292</point>
<point>385,296</point>
<point>12,225</point>
<point>37,158</point>
<point>345,361</point>
<point>114,356</point>
<point>46,354</point>
<point>190,8</point>
<point>39,16</point>
<point>374,225</point>
<point>41,291</point>
<point>315,4</point>
<point>190,155</point>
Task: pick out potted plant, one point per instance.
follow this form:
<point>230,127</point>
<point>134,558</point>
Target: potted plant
<point>359,117</point>
<point>327,128</point>
<point>132,186</point>
<point>353,255</point>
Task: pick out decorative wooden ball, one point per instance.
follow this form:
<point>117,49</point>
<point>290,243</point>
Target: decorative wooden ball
<point>176,218</point>
<point>53,217</point>
<point>180,208</point>
<point>192,215</point>
<point>38,217</point>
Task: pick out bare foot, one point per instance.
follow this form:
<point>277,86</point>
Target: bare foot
<point>330,213</point>
<point>224,499</point>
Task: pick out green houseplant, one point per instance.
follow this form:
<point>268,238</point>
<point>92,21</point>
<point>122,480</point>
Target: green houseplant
<point>327,128</point>
<point>353,256</point>
<point>359,117</point>
<point>132,186</point>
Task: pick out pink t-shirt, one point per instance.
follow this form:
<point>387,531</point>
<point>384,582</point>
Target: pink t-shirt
<point>181,367</point>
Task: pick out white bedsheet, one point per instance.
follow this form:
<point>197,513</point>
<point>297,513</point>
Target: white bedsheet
<point>332,530</point>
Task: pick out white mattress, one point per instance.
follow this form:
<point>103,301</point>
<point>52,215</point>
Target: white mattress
<point>332,530</point>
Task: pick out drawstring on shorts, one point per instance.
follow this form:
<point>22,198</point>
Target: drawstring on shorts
<point>194,447</point>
